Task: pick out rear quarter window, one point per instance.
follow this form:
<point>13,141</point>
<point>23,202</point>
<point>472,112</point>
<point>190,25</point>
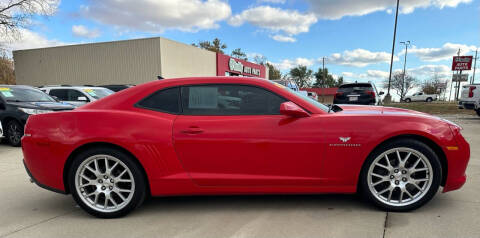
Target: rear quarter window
<point>165,100</point>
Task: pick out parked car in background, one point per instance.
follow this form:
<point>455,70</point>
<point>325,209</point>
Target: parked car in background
<point>184,142</point>
<point>1,130</point>
<point>76,95</point>
<point>17,103</point>
<point>313,95</point>
<point>421,97</point>
<point>117,87</point>
<point>288,83</point>
<point>358,93</point>
<point>470,98</point>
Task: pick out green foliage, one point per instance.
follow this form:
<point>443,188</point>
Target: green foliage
<point>301,75</point>
<point>239,54</point>
<point>216,45</point>
<point>273,72</point>
<point>326,80</point>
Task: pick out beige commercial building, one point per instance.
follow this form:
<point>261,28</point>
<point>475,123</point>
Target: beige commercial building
<point>124,62</point>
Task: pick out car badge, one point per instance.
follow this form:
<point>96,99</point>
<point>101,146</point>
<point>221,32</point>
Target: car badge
<point>344,139</point>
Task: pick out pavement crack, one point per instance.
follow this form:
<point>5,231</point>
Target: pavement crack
<point>385,225</point>
<point>35,224</point>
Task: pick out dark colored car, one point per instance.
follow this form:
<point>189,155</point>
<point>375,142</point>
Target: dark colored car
<point>358,93</point>
<point>17,103</point>
<point>117,87</point>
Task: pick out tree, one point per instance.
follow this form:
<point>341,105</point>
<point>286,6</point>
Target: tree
<point>434,85</point>
<point>400,87</point>
<point>17,14</point>
<point>216,45</point>
<point>260,59</point>
<point>7,74</point>
<point>301,75</point>
<point>239,54</point>
<point>326,80</point>
<point>273,72</point>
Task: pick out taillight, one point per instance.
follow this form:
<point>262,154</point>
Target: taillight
<point>338,94</point>
<point>371,93</point>
<point>470,92</point>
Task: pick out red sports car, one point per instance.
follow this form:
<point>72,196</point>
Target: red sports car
<point>230,135</point>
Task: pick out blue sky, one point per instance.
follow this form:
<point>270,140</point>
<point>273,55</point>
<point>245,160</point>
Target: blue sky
<point>355,36</point>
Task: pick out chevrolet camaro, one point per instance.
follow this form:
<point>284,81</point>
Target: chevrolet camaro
<point>232,135</point>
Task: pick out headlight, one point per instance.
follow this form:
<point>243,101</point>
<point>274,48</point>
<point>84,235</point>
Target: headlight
<point>33,111</point>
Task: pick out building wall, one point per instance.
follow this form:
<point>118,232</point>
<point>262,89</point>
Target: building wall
<point>119,62</point>
<point>182,60</point>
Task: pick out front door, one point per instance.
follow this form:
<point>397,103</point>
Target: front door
<point>234,135</point>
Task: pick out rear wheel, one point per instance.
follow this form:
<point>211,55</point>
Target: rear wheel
<point>429,99</point>
<point>106,183</point>
<point>478,112</point>
<point>401,176</point>
<point>408,100</point>
<point>14,133</point>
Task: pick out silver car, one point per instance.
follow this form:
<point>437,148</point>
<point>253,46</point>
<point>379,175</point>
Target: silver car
<point>76,95</point>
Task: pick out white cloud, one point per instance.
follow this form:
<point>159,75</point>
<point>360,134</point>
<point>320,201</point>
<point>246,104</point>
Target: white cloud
<point>283,38</point>
<point>447,51</point>
<point>369,74</point>
<point>359,58</point>
<point>159,15</point>
<point>286,22</point>
<point>336,9</point>
<point>272,1</point>
<point>28,40</point>
<point>427,71</point>
<point>83,31</point>
<point>287,64</point>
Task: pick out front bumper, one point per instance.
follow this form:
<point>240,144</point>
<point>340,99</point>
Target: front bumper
<point>457,164</point>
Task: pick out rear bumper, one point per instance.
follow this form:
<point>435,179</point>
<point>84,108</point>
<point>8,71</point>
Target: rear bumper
<point>33,180</point>
<point>470,105</point>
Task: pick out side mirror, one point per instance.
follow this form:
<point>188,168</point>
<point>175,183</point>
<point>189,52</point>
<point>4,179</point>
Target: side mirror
<point>292,110</point>
<point>381,93</point>
<point>83,99</point>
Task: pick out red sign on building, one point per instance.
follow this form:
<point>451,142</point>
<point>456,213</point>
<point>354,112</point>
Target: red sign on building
<point>228,66</point>
<point>462,63</point>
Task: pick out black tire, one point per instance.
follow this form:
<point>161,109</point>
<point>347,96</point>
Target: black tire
<point>140,190</point>
<point>14,133</point>
<point>408,100</point>
<point>405,143</point>
<point>478,112</point>
<point>429,99</point>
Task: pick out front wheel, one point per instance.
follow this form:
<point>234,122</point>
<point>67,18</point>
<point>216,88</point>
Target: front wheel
<point>408,100</point>
<point>478,112</point>
<point>14,133</point>
<point>401,176</point>
<point>106,182</point>
<point>429,99</point>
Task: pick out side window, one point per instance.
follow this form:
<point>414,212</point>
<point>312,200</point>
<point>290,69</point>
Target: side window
<point>73,95</point>
<point>166,100</point>
<point>420,93</point>
<point>229,100</point>
<point>61,94</point>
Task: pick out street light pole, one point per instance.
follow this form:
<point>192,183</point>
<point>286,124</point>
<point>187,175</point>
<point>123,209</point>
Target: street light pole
<point>406,43</point>
<point>388,97</point>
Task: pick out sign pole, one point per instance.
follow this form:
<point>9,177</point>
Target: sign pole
<point>474,67</point>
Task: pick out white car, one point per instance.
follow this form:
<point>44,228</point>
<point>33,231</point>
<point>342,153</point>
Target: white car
<point>421,97</point>
<point>76,95</point>
<point>470,98</point>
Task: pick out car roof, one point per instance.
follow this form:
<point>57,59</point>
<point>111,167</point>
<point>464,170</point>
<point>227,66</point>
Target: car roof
<point>71,87</point>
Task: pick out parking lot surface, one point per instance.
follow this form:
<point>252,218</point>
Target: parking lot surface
<point>29,211</point>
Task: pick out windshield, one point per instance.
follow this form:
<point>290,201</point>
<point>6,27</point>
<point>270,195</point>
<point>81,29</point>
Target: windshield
<point>14,94</point>
<point>305,97</point>
<point>98,93</point>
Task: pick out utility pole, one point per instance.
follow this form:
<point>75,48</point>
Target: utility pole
<point>324,79</point>
<point>474,67</point>
<point>388,97</point>
<point>406,43</point>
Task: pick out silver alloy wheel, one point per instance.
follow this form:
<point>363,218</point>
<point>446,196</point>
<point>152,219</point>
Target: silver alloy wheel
<point>400,176</point>
<point>104,183</point>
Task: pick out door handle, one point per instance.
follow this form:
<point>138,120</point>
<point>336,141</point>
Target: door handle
<point>192,131</point>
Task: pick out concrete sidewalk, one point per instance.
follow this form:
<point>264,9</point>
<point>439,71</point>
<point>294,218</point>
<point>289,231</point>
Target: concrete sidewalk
<point>29,211</point>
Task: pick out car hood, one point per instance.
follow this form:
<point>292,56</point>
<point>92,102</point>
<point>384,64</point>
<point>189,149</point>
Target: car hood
<point>55,106</point>
<point>369,110</point>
